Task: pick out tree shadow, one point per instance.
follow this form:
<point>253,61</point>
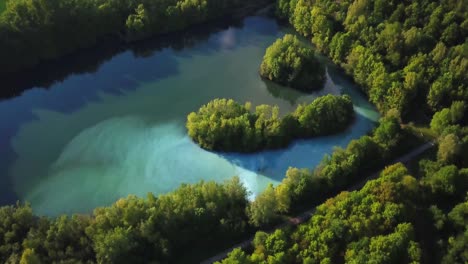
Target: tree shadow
<point>90,60</point>
<point>302,153</point>
<point>286,93</point>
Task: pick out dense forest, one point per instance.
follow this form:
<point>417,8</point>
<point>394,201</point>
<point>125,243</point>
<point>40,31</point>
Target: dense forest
<point>402,53</point>
<point>32,31</point>
<point>289,62</point>
<point>395,219</point>
<point>133,230</point>
<point>225,125</point>
<point>410,57</point>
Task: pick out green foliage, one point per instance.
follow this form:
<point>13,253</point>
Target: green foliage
<point>340,169</point>
<point>15,222</point>
<point>400,52</point>
<point>291,63</point>
<point>137,24</point>
<point>439,218</point>
<point>390,47</point>
<point>458,216</point>
<point>384,222</point>
<point>228,126</point>
<point>62,240</point>
<point>263,210</point>
<point>457,251</point>
<point>370,225</point>
<point>237,256</point>
<point>388,134</point>
<point>29,257</point>
<point>447,119</point>
<point>33,31</point>
<point>220,124</point>
<point>444,182</point>
<point>449,149</point>
<point>340,46</point>
<point>133,230</point>
<point>448,124</point>
<point>457,241</point>
<point>2,5</point>
<point>284,8</point>
<point>397,247</point>
<point>325,115</point>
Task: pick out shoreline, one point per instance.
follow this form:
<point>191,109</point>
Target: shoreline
<point>88,59</point>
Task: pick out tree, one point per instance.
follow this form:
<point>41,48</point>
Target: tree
<point>397,247</point>
<point>447,118</point>
<point>339,47</point>
<point>387,134</point>
<point>445,182</point>
<point>289,62</point>
<point>15,224</point>
<point>390,42</point>
<point>315,118</point>
<point>223,125</point>
<point>226,125</point>
<point>449,149</point>
<point>263,211</point>
<point>115,246</point>
<point>31,32</point>
<point>29,257</point>
<point>237,256</point>
<point>137,24</point>
<point>295,187</point>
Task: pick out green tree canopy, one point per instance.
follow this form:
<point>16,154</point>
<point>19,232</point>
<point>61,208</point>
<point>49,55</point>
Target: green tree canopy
<point>291,63</point>
<point>225,125</point>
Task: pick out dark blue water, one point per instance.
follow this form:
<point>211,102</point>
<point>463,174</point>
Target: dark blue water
<point>97,135</point>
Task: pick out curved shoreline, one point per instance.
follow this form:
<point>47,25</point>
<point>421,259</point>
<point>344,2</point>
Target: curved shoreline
<point>89,59</point>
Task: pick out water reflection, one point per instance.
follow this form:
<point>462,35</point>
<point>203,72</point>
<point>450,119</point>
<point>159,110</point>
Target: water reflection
<point>94,137</point>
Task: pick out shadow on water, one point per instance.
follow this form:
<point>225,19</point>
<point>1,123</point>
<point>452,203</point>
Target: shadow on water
<point>338,76</point>
<point>81,78</point>
<point>286,93</point>
<point>300,153</point>
<point>293,96</point>
<point>106,123</point>
<point>89,61</point>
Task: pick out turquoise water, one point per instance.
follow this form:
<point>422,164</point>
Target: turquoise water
<point>92,138</point>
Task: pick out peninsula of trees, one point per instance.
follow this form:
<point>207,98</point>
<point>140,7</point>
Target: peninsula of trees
<point>291,63</point>
<point>225,125</point>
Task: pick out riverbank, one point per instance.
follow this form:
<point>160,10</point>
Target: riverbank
<point>107,25</point>
<point>88,60</point>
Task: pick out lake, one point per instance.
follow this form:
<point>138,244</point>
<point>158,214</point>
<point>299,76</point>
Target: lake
<point>118,127</point>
